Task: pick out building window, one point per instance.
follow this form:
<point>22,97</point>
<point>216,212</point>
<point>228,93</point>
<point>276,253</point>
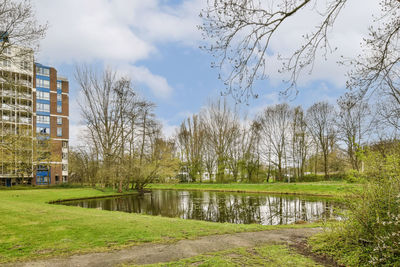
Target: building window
<point>64,167</point>
<point>59,85</point>
<point>25,65</point>
<point>59,97</point>
<point>65,144</point>
<point>43,130</point>
<point>59,131</point>
<point>64,155</point>
<point>42,83</point>
<point>65,179</point>
<point>42,107</point>
<point>43,119</point>
<point>7,51</point>
<point>59,108</point>
<point>43,71</point>
<point>43,95</point>
<point>59,120</point>
<point>6,63</point>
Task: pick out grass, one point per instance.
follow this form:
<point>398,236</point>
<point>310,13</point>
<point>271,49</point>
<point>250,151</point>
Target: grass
<point>31,228</point>
<point>330,189</point>
<point>269,255</point>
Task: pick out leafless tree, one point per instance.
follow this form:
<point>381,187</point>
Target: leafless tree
<point>18,26</point>
<point>300,141</point>
<point>209,158</point>
<point>354,122</point>
<point>320,119</point>
<point>221,128</point>
<point>105,102</point>
<point>237,150</point>
<point>250,146</point>
<point>191,140</point>
<point>275,131</point>
<point>242,31</point>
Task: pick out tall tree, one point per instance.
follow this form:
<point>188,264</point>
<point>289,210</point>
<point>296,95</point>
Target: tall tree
<point>321,124</point>
<point>221,128</point>
<point>191,140</point>
<point>275,131</point>
<point>300,141</point>
<point>106,99</point>
<point>353,123</point>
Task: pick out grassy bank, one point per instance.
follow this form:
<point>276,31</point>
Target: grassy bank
<point>270,255</point>
<point>32,228</point>
<point>334,189</point>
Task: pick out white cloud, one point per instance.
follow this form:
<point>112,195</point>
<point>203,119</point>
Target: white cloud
<point>116,30</point>
<point>85,31</point>
<point>156,83</point>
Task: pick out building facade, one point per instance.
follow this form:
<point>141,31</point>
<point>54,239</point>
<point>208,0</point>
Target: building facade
<point>50,120</point>
<point>34,121</point>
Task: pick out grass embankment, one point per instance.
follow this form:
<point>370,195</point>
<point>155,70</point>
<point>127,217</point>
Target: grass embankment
<point>329,189</point>
<point>270,255</point>
<point>32,228</point>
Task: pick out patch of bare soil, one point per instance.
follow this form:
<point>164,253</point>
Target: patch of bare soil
<point>304,249</point>
<point>156,253</point>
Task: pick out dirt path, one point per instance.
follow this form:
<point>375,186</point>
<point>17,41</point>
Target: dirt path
<point>156,253</point>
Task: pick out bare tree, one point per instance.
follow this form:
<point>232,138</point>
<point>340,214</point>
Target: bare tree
<point>242,32</point>
<point>209,158</point>
<point>191,140</point>
<point>320,118</point>
<point>106,100</point>
<point>18,27</point>
<point>275,131</point>
<point>250,161</point>
<point>237,150</point>
<point>353,123</point>
<point>300,141</point>
<point>221,128</point>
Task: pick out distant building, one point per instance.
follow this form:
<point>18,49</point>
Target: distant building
<point>34,110</point>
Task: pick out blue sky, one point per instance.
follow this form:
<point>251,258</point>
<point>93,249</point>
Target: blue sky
<point>156,43</point>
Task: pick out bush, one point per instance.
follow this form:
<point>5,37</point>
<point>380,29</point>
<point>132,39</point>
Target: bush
<point>354,176</point>
<point>372,226</point>
<point>319,178</point>
<point>311,178</point>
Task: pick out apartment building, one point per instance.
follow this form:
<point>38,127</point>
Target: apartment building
<point>51,110</point>
<point>34,121</point>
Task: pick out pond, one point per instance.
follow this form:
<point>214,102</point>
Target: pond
<point>220,207</point>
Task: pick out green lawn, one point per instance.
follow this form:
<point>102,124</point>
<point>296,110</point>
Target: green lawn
<point>32,228</point>
<point>336,189</point>
<point>270,255</point>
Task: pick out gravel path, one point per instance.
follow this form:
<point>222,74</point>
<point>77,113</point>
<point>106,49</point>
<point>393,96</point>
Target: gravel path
<point>156,253</point>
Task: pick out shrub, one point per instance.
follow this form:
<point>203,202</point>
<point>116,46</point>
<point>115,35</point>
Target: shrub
<point>311,178</point>
<point>372,226</point>
<point>354,176</point>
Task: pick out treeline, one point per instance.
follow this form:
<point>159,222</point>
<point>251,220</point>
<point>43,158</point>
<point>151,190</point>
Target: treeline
<point>282,143</point>
<point>123,145</point>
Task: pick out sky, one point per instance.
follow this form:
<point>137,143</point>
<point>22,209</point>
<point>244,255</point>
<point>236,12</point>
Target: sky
<point>156,43</point>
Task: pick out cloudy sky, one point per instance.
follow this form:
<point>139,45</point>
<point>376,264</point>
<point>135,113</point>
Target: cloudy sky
<point>156,43</point>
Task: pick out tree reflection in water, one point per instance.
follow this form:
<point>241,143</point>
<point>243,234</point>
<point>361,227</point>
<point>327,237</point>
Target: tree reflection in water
<point>220,207</point>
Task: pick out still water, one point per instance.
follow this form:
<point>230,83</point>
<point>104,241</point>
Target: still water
<point>220,207</point>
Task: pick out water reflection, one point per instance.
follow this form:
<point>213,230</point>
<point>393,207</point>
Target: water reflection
<point>219,207</point>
